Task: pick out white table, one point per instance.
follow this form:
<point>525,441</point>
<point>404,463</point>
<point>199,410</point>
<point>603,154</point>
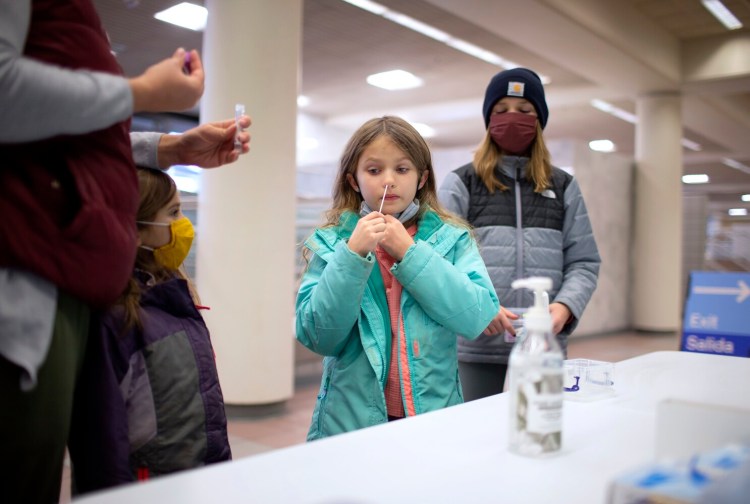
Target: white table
<point>460,454</point>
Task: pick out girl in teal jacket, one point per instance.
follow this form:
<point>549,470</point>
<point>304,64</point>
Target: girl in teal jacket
<point>392,279</point>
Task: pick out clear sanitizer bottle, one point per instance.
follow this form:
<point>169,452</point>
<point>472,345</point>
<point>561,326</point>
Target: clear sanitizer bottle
<point>536,379</point>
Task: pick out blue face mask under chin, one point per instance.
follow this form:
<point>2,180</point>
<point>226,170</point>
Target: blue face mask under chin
<point>404,217</point>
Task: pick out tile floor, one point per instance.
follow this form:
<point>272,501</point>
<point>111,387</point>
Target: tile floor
<point>256,432</point>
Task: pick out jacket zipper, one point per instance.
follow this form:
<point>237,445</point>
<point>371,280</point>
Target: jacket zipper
<point>519,235</point>
<point>408,402</point>
<point>322,399</point>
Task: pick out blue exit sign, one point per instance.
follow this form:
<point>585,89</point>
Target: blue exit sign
<point>717,314</point>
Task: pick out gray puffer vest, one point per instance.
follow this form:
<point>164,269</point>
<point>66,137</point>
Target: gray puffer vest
<point>523,233</point>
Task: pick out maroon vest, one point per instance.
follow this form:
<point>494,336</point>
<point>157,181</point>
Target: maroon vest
<point>68,203</point>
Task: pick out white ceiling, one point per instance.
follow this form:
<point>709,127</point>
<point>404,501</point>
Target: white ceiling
<point>615,50</point>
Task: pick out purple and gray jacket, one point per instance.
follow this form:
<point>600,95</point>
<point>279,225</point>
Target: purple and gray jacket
<point>148,402</point>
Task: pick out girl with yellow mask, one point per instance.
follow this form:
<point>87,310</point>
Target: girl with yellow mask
<point>152,404</point>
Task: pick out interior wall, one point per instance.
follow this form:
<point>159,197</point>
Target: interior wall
<point>695,221</point>
<point>606,182</point>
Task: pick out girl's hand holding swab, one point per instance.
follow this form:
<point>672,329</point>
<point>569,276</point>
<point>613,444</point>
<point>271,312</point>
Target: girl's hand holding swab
<point>366,235</point>
<point>396,239</point>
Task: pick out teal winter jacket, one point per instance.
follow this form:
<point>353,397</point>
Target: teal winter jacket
<point>342,314</point>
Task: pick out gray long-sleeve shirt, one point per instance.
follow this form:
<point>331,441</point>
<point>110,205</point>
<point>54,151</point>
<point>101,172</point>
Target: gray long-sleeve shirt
<point>37,101</point>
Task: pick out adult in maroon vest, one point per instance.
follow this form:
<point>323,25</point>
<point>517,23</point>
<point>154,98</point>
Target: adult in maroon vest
<point>68,206</point>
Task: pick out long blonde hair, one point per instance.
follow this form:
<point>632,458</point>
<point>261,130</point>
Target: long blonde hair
<point>156,189</point>
<point>411,143</point>
<point>488,154</point>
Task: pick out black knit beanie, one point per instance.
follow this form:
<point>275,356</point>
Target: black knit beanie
<point>520,82</point>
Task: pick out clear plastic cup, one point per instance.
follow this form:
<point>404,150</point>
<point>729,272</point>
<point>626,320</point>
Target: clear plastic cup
<point>588,380</point>
<point>517,325</point>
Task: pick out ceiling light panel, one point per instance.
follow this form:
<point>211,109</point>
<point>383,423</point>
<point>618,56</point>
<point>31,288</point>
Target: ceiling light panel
<point>417,26</point>
<point>394,80</point>
<point>439,35</point>
<point>369,6</point>
<point>186,15</point>
<point>699,178</point>
<point>603,145</point>
<point>724,15</point>
<point>732,163</point>
<point>615,111</point>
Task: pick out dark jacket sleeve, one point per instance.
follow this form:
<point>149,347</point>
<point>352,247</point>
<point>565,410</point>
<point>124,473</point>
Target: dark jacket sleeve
<point>98,445</point>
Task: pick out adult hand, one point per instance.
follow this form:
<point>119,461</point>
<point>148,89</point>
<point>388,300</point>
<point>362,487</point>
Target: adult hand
<point>208,145</point>
<point>396,240</point>
<point>501,322</point>
<point>560,316</point>
<point>166,87</point>
<point>368,232</point>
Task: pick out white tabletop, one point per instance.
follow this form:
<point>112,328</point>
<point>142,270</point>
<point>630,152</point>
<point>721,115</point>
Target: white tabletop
<point>460,454</point>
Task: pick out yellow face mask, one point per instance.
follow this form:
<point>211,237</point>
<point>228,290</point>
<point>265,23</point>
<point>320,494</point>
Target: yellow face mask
<point>173,254</point>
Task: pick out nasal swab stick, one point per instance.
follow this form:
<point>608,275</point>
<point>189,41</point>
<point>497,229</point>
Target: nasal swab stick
<point>383,200</point>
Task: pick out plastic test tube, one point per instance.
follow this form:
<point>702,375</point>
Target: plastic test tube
<point>239,111</point>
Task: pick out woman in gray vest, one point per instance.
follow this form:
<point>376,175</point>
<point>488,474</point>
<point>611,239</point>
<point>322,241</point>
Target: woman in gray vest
<point>529,219</point>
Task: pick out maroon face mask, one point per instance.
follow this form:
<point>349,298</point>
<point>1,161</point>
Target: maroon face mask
<point>513,132</point>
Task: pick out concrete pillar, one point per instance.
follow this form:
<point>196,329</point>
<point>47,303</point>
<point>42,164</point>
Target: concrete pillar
<point>658,292</point>
<point>246,212</point>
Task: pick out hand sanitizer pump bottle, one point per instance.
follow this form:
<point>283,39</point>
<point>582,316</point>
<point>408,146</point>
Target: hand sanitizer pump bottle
<point>536,379</point>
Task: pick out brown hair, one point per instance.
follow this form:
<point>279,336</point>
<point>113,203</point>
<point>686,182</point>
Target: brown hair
<point>488,154</point>
<point>410,142</point>
<point>156,190</point>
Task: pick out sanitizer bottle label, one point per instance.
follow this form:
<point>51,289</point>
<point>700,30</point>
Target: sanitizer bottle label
<point>537,402</point>
<point>544,414</point>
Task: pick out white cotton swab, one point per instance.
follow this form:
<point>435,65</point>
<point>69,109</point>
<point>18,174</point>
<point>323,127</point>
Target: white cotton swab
<point>383,200</point>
